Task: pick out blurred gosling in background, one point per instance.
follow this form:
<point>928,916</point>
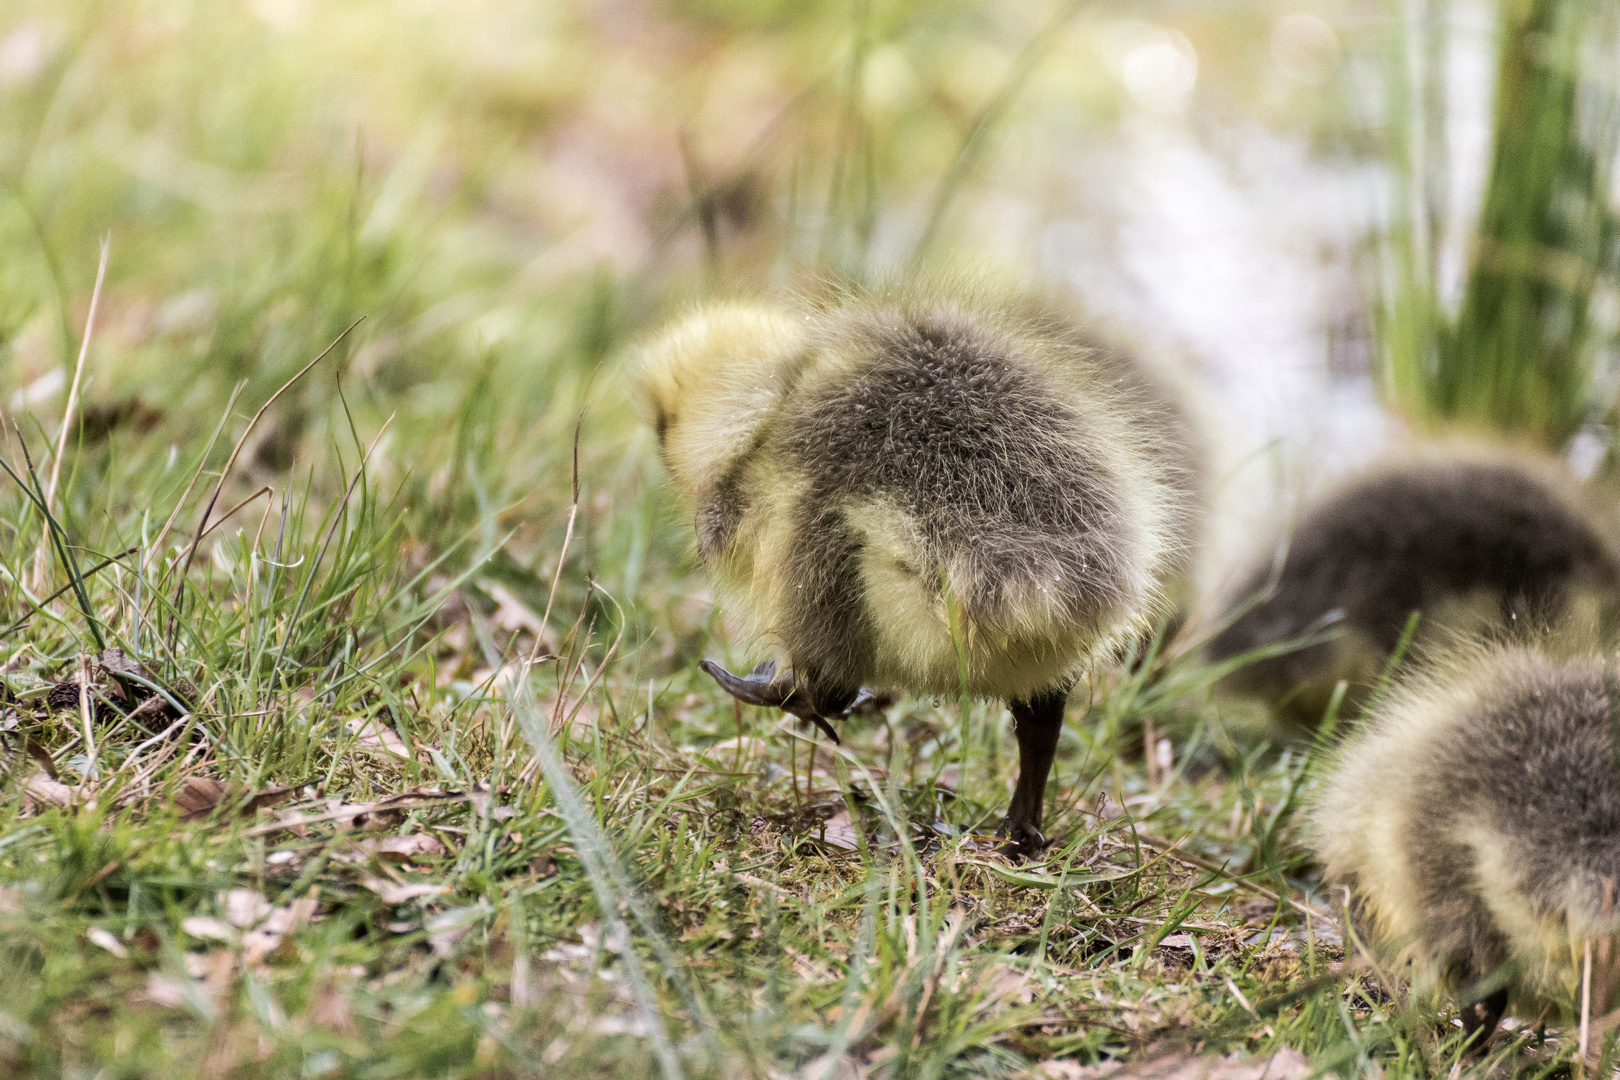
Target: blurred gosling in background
<point>894,481</point>
<point>1472,539</point>
<point>1474,818</point>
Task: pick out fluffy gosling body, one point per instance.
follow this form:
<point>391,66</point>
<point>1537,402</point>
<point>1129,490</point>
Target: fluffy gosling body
<point>1474,817</point>
<point>1471,539</point>
<point>883,478</point>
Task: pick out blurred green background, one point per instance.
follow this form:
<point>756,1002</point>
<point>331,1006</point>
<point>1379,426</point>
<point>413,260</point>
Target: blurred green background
<point>1298,198</point>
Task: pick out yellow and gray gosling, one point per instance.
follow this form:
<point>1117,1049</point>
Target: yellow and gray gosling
<point>1469,538</point>
<point>1474,818</point>
<point>868,471</point>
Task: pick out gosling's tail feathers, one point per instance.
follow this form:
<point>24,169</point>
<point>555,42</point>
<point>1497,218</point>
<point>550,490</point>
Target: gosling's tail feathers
<point>981,463</point>
<point>1475,817</point>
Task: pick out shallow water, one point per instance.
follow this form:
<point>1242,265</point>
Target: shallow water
<point>1236,248</point>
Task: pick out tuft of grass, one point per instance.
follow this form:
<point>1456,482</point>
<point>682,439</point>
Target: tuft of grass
<point>1524,351</point>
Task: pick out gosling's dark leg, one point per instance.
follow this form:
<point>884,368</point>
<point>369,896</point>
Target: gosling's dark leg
<point>1037,723</point>
<point>1480,1018</point>
<point>781,690</point>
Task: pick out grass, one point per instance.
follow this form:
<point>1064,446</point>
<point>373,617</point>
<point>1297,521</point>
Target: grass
<point>1523,350</point>
<point>403,766</point>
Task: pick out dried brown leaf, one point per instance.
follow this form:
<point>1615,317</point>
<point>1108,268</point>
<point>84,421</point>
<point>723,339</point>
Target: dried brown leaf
<point>332,1010</point>
<point>1285,1064</point>
<point>199,796</point>
<point>503,681</point>
<point>373,735</point>
<point>390,893</point>
<point>405,848</point>
<point>838,832</point>
<point>510,612</point>
<point>166,991</point>
<point>826,1067</point>
<point>739,751</point>
<point>107,940</point>
<point>217,968</point>
<point>42,790</point>
<point>1004,983</point>
<point>355,815</point>
<point>447,927</point>
<point>244,907</point>
<point>207,927</point>
<point>266,938</point>
<point>42,756</point>
<point>379,814</point>
<point>1061,1070</point>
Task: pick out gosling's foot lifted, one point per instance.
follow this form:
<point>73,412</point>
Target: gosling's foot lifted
<point>780,690</point>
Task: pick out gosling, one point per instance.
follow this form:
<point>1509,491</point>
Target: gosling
<point>1473,817</point>
<point>892,484</point>
<point>1472,540</point>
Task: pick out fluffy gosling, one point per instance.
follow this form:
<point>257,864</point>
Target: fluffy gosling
<point>1474,818</point>
<point>882,478</point>
<point>1470,539</point>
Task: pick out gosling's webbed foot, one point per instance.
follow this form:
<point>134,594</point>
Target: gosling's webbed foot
<point>759,687</point>
<point>780,690</point>
<point>1024,840</point>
